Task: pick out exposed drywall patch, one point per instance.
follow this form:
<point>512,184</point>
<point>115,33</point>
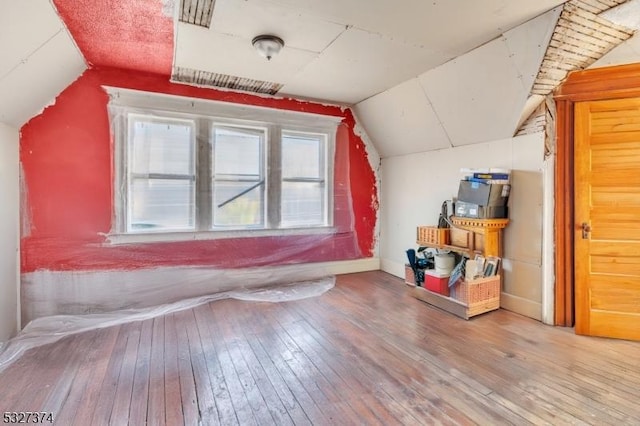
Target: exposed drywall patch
<point>134,34</point>
<point>67,158</point>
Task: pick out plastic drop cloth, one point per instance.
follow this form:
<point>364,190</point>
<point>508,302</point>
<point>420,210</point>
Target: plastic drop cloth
<point>45,330</point>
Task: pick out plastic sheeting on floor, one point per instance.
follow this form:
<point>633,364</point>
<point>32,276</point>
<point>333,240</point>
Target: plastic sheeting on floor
<point>47,330</point>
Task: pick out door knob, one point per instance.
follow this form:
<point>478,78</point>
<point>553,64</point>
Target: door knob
<point>586,230</point>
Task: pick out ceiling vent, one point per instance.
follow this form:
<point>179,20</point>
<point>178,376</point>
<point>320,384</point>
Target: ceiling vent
<point>210,79</point>
<point>197,12</point>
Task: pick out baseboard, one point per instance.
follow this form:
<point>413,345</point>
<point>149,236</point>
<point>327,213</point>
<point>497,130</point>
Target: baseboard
<point>392,267</point>
<point>47,293</point>
<point>521,306</point>
<point>351,266</point>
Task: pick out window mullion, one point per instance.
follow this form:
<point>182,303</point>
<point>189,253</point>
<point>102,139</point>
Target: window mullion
<point>274,176</point>
<point>121,201</point>
<point>203,176</point>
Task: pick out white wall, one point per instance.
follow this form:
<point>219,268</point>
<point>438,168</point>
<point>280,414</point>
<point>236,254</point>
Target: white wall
<point>9,240</point>
<point>413,188</point>
<point>476,97</point>
<point>39,59</point>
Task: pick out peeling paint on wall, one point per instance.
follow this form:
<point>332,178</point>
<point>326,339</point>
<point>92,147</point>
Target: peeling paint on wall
<point>66,154</point>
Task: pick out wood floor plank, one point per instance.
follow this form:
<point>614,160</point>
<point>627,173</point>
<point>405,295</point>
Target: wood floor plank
<point>308,375</point>
<point>365,352</point>
<point>422,401</point>
<point>124,388</point>
<point>266,349</point>
<point>238,383</point>
<point>58,395</point>
<point>372,387</point>
<point>384,356</point>
<point>225,407</point>
<point>336,372</point>
<point>107,395</point>
<point>188,392</point>
<point>266,365</point>
<point>325,378</point>
<point>156,399</point>
<point>85,412</point>
<point>206,402</point>
<point>83,379</point>
<point>34,382</point>
<point>172,396</point>
<point>140,392</point>
<point>260,392</point>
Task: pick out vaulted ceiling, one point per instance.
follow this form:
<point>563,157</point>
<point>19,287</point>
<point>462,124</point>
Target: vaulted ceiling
<point>422,67</point>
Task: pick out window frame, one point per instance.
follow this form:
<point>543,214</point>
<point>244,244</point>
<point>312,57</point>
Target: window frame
<point>324,166</point>
<point>128,174</point>
<point>206,114</point>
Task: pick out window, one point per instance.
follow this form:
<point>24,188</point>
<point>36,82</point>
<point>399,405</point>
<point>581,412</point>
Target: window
<point>160,174</point>
<point>238,176</point>
<point>303,200</point>
<point>187,168</point>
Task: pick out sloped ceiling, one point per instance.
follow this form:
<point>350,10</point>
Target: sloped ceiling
<point>627,15</point>
<point>343,51</point>
<point>39,59</point>
<point>486,94</point>
<point>396,55</point>
<point>129,34</point>
<point>474,98</point>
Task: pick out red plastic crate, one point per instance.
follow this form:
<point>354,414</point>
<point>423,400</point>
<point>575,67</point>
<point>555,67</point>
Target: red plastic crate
<point>437,283</point>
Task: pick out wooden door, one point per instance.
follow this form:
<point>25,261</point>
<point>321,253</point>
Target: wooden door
<point>607,218</point>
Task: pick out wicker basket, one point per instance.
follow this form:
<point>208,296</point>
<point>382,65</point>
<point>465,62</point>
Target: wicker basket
<point>481,295</point>
<point>409,276</point>
<point>433,235</point>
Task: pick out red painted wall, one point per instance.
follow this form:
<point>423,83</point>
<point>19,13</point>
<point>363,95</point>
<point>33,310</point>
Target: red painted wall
<point>127,34</point>
<point>66,155</point>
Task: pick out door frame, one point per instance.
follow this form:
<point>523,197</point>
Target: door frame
<point>616,82</point>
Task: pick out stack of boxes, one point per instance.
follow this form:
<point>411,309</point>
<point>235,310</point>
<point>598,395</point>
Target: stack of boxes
<point>484,196</point>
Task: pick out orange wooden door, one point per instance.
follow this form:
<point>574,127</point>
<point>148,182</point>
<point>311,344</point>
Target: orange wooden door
<point>607,218</point>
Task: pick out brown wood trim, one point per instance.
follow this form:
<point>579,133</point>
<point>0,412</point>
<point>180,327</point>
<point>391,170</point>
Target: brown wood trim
<point>601,83</point>
<point>564,215</point>
<point>616,82</point>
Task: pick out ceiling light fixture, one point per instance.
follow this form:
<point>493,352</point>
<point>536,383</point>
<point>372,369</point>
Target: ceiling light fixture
<point>267,45</point>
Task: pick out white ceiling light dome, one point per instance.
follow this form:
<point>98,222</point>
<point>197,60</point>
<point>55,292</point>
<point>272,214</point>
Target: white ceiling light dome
<point>267,45</point>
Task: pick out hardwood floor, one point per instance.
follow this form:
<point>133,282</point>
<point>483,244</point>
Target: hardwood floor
<point>363,353</point>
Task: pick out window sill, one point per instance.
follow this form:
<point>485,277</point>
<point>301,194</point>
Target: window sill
<point>170,237</point>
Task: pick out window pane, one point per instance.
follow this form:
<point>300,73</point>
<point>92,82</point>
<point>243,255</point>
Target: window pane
<point>161,204</point>
<point>162,147</point>
<point>245,210</point>
<point>302,156</point>
<point>237,152</point>
<point>302,204</point>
